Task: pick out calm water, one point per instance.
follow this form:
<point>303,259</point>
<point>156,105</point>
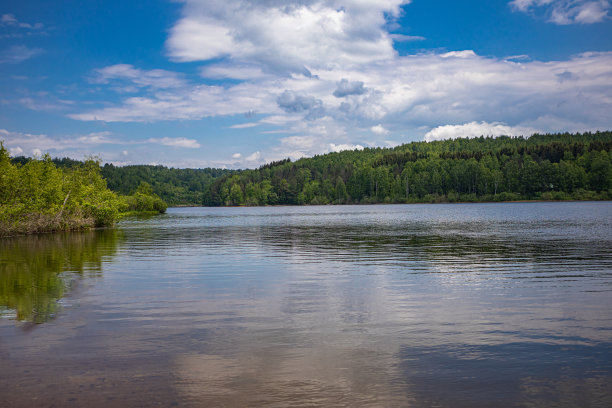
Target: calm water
<point>470,305</point>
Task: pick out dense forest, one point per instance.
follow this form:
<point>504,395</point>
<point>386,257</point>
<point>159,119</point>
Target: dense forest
<point>39,196</point>
<point>542,167</point>
<point>174,186</point>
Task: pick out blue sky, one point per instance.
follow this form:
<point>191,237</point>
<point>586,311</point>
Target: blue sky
<point>235,84</point>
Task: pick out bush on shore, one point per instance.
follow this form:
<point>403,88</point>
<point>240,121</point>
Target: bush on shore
<point>40,197</point>
<point>144,200</point>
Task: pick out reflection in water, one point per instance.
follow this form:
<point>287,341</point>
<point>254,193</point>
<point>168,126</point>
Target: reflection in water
<point>420,305</point>
<point>37,271</point>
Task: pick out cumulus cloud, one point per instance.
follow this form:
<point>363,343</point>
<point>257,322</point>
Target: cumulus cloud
<point>306,78</point>
<point>408,92</point>
<point>379,130</point>
<point>475,129</point>
<point>341,147</point>
<point>346,88</point>
<point>176,142</point>
<point>285,36</point>
<point>295,102</point>
<point>15,151</point>
<point>565,12</point>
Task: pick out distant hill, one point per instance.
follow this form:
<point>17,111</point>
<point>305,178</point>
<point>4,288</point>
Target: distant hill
<point>546,167</point>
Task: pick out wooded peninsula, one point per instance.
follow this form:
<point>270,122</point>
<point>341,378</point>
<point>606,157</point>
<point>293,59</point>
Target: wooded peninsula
<point>47,194</point>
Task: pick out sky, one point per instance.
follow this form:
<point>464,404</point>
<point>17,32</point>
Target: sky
<point>236,84</point>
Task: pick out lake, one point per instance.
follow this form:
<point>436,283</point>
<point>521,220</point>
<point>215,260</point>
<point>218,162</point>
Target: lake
<point>465,305</point>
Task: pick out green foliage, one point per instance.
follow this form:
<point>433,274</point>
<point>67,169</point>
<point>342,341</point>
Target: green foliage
<point>173,186</point>
<point>39,197</point>
<point>548,167</point>
<point>145,200</point>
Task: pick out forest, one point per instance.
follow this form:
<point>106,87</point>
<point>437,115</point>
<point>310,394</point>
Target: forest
<point>542,167</point>
<point>40,196</point>
<point>51,194</point>
<point>175,186</point>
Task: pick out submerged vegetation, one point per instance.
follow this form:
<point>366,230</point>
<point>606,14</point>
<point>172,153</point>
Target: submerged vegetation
<point>542,167</point>
<point>39,196</point>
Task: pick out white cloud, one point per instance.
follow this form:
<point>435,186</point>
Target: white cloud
<point>9,20</point>
<point>96,138</point>
<point>340,147</point>
<point>176,142</point>
<point>565,12</point>
<point>191,103</point>
<point>316,73</point>
<point>407,92</point>
<point>18,53</point>
<point>233,71</point>
<point>406,38</point>
<point>379,130</point>
<point>15,151</point>
<point>288,36</point>
<point>346,88</point>
<point>33,144</point>
<point>475,129</point>
<point>254,157</point>
<point>244,125</point>
<point>155,78</point>
<point>80,146</point>
<point>236,156</point>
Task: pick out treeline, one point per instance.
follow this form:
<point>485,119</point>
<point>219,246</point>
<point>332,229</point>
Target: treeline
<point>546,167</point>
<point>39,196</point>
<point>174,186</point>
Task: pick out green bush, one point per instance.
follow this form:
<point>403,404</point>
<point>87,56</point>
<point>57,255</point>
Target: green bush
<point>144,200</point>
<point>40,197</point>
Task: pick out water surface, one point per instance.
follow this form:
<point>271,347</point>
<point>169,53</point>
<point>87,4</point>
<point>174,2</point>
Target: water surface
<point>461,305</point>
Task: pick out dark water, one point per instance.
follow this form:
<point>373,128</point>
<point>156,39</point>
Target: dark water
<point>471,305</point>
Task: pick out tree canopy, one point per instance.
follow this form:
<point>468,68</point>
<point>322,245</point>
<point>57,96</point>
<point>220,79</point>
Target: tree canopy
<point>547,167</point>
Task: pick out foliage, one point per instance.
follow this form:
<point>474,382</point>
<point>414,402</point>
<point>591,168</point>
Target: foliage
<point>174,186</point>
<point>39,197</point>
<point>145,200</point>
<point>545,167</point>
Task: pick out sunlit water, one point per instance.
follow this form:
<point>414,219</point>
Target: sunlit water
<point>468,305</point>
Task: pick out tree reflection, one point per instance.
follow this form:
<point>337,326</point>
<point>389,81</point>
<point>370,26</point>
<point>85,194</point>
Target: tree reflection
<point>36,272</point>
